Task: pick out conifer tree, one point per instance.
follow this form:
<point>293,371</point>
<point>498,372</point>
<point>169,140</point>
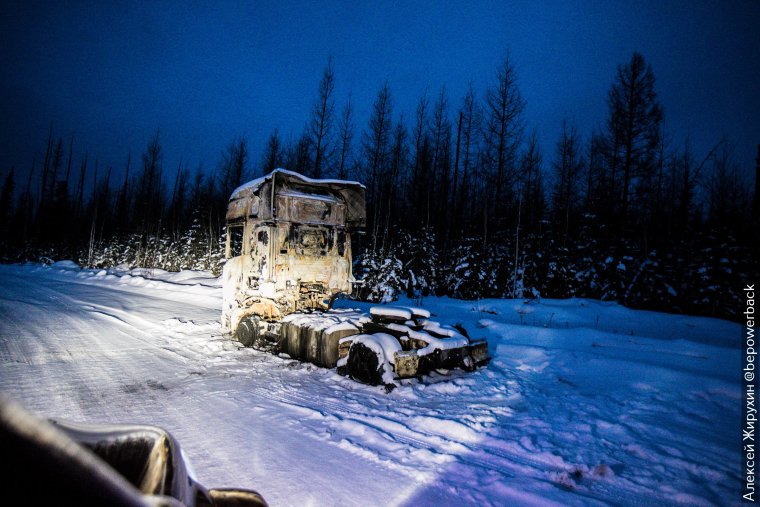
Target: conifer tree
<point>633,133</point>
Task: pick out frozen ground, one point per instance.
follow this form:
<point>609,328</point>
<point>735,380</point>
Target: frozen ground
<point>584,403</point>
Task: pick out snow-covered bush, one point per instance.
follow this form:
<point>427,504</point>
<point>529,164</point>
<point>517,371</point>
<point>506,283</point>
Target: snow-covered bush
<point>419,256</point>
<point>382,276</point>
<point>194,249</point>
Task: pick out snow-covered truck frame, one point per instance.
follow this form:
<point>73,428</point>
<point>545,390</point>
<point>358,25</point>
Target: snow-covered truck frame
<point>288,256</point>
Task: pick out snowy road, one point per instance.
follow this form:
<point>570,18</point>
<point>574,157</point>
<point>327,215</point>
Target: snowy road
<point>584,402</point>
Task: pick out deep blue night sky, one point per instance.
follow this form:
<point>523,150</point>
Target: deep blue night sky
<point>111,73</point>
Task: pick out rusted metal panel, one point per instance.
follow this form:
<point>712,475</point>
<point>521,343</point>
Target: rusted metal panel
<point>297,251</point>
<point>406,364</point>
<point>479,351</point>
<point>312,342</point>
<point>237,209</point>
<point>349,194</point>
<point>310,208</point>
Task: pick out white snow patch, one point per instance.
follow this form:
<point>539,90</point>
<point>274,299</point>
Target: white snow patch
<point>452,430</point>
<point>391,311</point>
<point>66,265</point>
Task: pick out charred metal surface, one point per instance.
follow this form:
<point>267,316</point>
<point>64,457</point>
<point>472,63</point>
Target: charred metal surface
<point>414,335</point>
<point>343,349</point>
<point>256,199</point>
<point>407,364</point>
<point>328,339</point>
<point>479,352</point>
<point>313,343</point>
<point>296,245</point>
<point>289,253</point>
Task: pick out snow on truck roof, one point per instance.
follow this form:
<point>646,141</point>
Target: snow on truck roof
<point>294,185</point>
<point>313,197</point>
<point>254,185</point>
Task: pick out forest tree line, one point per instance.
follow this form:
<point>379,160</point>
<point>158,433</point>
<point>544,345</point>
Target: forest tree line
<point>461,200</point>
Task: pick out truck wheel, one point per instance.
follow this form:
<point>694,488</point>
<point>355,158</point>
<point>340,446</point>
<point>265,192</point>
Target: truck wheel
<point>247,331</point>
<point>363,365</point>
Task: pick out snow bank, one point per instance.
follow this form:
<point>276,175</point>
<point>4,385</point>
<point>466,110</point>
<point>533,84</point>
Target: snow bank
<point>66,265</point>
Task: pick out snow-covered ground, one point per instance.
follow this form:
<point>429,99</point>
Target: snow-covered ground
<point>584,402</point>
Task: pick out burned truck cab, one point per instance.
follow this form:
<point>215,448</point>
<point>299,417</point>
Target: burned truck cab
<point>289,253</point>
<point>288,247</point>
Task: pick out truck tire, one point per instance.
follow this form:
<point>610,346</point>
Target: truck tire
<point>248,331</point>
<point>363,365</point>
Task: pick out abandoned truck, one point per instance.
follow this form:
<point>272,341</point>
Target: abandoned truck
<point>288,257</point>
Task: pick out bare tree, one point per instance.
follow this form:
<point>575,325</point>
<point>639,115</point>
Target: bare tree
<point>595,173</point>
<point>42,198</point>
<point>150,208</point>
<point>320,127</point>
<point>727,197</point>
<point>234,167</point>
<point>421,167</point>
<point>177,212</point>
<point>503,132</point>
<point>273,153</point>
<point>346,135</point>
<point>298,154</point>
<point>568,165</point>
<point>532,189</point>
<point>437,189</point>
<point>398,162</point>
<point>470,124</point>
<point>80,187</point>
<point>690,176</point>
<point>376,147</point>
<point>123,201</point>
<point>6,201</point>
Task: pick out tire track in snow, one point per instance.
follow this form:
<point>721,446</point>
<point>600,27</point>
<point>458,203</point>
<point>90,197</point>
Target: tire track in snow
<point>128,320</point>
<point>331,409</point>
<point>476,455</point>
<point>63,330</point>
